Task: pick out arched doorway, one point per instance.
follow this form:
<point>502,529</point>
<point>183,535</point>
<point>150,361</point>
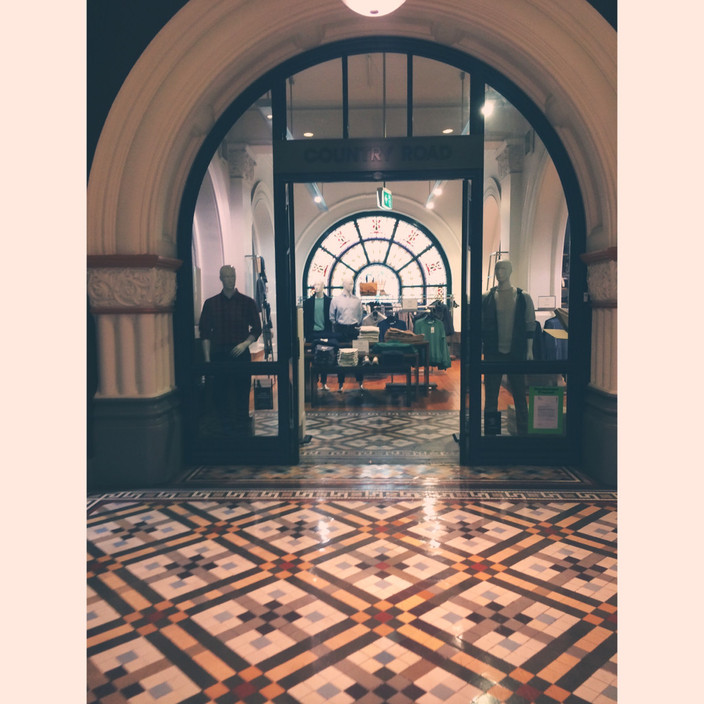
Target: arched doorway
<point>261,151</point>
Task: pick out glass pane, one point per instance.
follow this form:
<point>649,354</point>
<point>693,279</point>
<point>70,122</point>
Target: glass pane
<point>233,228</point>
<point>377,226</point>
<point>339,240</point>
<point>526,227</point>
<point>398,257</point>
<point>338,274</point>
<point>233,404</point>
<point>411,237</point>
<point>315,102</point>
<point>320,268</point>
<point>377,95</point>
<point>440,99</point>
<point>433,266</point>
<point>411,275</point>
<point>386,280</point>
<point>524,404</point>
<point>355,257</point>
<point>377,250</point>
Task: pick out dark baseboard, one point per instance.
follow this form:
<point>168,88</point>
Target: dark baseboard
<point>600,437</point>
<point>137,442</point>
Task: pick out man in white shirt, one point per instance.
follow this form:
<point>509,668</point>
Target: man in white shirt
<point>346,317</point>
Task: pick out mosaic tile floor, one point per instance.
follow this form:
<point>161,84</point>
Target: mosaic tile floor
<point>382,436</point>
<point>313,595</point>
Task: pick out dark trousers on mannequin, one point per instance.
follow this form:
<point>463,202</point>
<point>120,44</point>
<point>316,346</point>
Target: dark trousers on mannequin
<point>322,335</point>
<point>231,389</point>
<point>517,387</point>
<point>346,333</point>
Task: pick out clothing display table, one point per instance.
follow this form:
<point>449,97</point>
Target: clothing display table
<point>361,370</point>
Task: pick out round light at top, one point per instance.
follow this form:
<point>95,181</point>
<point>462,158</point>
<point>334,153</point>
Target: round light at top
<point>373,8</point>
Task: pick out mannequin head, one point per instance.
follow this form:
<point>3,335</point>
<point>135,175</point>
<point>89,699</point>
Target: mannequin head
<point>318,288</point>
<point>502,272</point>
<point>347,284</point>
<point>228,276</point>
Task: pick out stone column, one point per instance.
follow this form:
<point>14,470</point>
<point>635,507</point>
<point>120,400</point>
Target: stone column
<point>510,162</point>
<point>241,173</point>
<point>137,422</point>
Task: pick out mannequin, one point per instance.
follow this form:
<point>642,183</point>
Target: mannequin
<point>316,320</point>
<point>346,317</point>
<point>508,325</point>
<point>229,323</point>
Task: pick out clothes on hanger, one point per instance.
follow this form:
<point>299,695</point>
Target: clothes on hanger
<point>374,318</point>
<point>554,348</point>
<point>390,321</point>
<point>442,312</point>
<point>433,331</point>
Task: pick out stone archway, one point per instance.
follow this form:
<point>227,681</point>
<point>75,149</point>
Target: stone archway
<point>562,57</point>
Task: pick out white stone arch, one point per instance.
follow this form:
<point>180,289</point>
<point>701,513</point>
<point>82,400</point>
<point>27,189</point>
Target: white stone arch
<point>562,55</point>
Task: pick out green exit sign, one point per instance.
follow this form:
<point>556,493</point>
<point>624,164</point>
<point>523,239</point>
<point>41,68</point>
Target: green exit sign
<point>384,198</point>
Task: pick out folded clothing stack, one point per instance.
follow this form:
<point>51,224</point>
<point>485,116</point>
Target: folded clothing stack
<point>348,357</point>
<point>396,335</point>
<point>369,332</point>
<point>394,352</point>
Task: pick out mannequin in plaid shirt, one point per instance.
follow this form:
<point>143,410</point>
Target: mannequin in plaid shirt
<point>229,323</point>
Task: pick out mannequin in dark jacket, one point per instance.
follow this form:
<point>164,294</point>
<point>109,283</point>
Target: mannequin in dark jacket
<point>508,325</point>
<point>317,327</point>
<point>316,320</point>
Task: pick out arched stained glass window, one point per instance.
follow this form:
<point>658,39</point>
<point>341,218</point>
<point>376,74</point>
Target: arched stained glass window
<point>396,255</point>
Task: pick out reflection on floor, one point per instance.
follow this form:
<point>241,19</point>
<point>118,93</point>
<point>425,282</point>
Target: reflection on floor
<point>369,594</point>
<point>381,475</point>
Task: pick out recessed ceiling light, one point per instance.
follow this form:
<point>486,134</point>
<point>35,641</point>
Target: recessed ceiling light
<point>430,205</point>
<point>448,130</point>
<point>269,116</point>
<point>308,134</point>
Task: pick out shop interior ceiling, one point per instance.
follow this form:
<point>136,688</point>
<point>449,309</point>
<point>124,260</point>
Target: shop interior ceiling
<point>440,98</point>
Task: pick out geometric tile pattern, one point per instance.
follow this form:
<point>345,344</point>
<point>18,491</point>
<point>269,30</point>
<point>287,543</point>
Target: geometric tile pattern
<point>371,475</point>
<point>380,435</point>
<point>397,436</point>
<point>420,599</point>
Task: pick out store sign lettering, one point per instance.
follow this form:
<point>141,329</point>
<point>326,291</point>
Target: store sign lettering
<point>394,154</point>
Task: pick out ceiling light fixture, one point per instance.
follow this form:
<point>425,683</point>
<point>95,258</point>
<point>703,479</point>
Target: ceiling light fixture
<point>308,134</point>
<point>373,8</point>
<point>448,130</point>
<point>488,108</point>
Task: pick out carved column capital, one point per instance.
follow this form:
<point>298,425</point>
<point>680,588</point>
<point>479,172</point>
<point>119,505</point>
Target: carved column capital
<point>510,160</point>
<point>240,162</point>
<point>144,288</point>
<point>602,277</point>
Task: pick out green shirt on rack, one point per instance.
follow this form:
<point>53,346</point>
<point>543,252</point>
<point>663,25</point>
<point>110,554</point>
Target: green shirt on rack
<point>434,332</point>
